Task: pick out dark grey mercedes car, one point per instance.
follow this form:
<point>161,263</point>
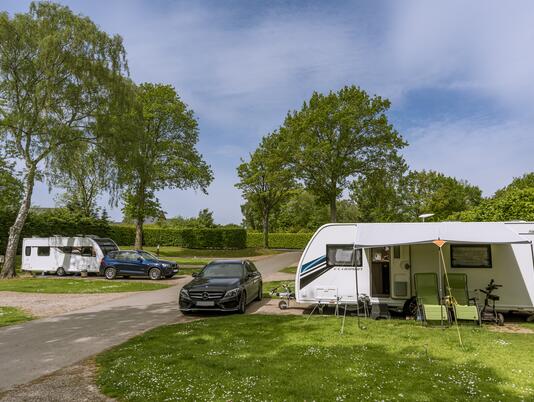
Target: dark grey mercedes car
<point>223,285</point>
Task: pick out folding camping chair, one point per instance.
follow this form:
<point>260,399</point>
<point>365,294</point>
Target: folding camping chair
<point>428,301</point>
<point>464,307</point>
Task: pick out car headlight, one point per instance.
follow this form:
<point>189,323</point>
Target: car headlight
<point>184,293</point>
<point>232,293</point>
<point>165,265</point>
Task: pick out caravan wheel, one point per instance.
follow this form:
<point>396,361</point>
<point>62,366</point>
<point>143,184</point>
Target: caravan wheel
<point>61,271</point>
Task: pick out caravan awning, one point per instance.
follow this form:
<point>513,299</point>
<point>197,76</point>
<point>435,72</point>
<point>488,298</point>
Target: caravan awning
<point>393,234</point>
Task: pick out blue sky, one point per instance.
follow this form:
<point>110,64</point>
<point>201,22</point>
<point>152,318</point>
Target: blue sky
<point>459,75</point>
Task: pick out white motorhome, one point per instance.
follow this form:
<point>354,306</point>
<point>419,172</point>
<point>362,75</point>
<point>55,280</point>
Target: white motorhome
<point>63,255</point>
<point>345,261</point>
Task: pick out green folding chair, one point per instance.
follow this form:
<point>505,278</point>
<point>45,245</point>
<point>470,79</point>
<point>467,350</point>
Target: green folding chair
<point>428,302</point>
<point>463,306</point>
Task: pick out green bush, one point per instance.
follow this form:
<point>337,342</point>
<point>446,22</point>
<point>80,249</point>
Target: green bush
<point>280,240</point>
<point>215,238</point>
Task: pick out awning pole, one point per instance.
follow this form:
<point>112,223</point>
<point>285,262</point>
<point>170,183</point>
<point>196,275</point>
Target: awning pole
<point>440,244</point>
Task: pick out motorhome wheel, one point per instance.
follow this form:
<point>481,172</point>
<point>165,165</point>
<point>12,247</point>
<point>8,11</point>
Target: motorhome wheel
<point>61,271</point>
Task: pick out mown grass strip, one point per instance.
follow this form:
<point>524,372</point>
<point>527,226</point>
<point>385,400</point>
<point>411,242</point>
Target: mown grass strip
<point>12,315</point>
<point>68,285</point>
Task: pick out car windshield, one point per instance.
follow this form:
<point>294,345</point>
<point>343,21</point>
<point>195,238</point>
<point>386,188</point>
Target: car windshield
<point>229,270</point>
<point>146,255</point>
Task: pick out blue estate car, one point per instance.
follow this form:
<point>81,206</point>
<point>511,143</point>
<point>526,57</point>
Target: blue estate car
<point>136,263</point>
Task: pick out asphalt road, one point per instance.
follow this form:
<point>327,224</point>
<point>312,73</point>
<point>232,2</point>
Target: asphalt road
<point>36,348</point>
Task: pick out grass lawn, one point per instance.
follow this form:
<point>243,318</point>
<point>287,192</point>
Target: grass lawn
<point>255,357</point>
<point>169,251</point>
<point>267,286</point>
<point>12,315</point>
<point>188,270</point>
<point>190,261</point>
<point>60,285</point>
<point>289,270</point>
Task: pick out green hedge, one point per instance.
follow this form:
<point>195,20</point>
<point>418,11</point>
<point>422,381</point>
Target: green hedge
<point>64,223</point>
<point>45,224</point>
<point>280,240</point>
<point>216,238</point>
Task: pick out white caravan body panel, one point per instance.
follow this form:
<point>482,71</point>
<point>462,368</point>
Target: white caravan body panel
<point>509,246</point>
<point>73,254</point>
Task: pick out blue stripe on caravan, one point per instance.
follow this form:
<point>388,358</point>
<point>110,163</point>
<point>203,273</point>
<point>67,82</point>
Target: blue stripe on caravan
<point>312,264</point>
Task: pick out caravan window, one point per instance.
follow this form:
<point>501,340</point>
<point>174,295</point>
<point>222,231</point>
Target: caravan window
<point>43,251</point>
<point>343,255</point>
<point>87,252</point>
<point>471,256</point>
<point>28,251</point>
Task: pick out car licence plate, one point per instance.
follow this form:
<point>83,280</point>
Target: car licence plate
<point>205,303</point>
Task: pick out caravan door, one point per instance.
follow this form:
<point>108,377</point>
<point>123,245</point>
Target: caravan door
<point>400,272</point>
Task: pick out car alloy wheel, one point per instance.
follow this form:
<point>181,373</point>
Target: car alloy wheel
<point>260,293</point>
<point>154,274</point>
<point>110,273</point>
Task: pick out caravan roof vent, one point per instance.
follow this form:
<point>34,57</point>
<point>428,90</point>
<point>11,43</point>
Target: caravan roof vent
<point>92,236</point>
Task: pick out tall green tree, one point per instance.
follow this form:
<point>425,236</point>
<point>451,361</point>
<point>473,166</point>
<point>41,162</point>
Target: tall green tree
<point>378,194</point>
<point>518,183</point>
<point>433,192</point>
<point>158,152</point>
<point>337,137</point>
<point>58,73</point>
<point>84,173</point>
<point>266,179</point>
<point>10,187</point>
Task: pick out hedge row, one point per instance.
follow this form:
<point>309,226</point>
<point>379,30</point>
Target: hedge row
<point>215,238</point>
<point>49,224</point>
<point>280,240</point>
<point>61,222</point>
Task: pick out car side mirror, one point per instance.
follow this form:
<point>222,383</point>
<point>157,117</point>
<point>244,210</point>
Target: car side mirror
<point>140,259</point>
<point>195,274</point>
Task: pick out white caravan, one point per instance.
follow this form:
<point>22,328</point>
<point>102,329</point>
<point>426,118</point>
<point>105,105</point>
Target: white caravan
<point>63,255</point>
<point>345,261</point>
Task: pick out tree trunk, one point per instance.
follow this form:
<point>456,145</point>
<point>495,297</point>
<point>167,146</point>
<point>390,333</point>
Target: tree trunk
<point>8,270</point>
<point>333,210</point>
<point>140,219</point>
<point>266,229</point>
<point>139,234</point>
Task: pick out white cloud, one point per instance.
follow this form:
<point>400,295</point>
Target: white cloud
<point>485,153</point>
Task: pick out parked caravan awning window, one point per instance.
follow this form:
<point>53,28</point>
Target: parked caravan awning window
<point>392,234</point>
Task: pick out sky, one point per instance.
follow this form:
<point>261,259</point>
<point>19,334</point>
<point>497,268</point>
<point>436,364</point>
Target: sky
<point>459,75</point>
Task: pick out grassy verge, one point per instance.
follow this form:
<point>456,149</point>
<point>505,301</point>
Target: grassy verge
<point>189,261</point>
<point>12,315</point>
<point>168,251</point>
<point>268,286</point>
<point>289,358</point>
<point>57,285</point>
<point>289,270</point>
<point>188,270</point>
